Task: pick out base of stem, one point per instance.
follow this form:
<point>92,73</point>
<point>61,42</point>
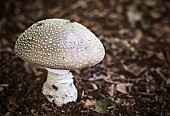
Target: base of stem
<point>59,88</point>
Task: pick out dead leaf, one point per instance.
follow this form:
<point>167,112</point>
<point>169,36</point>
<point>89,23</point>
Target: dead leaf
<point>94,86</point>
<point>37,72</point>
<point>89,102</point>
<point>124,44</point>
<point>134,69</point>
<point>95,78</point>
<point>159,72</point>
<point>133,15</point>
<point>168,81</point>
<point>101,106</point>
<point>160,56</point>
<point>111,90</point>
<point>3,86</point>
<point>137,38</point>
<point>82,4</point>
<point>122,87</point>
<point>54,10</point>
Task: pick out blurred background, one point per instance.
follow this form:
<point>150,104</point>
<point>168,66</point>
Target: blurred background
<point>133,79</point>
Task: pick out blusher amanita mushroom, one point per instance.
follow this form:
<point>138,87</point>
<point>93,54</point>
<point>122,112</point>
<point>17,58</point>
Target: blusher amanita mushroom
<point>60,46</point>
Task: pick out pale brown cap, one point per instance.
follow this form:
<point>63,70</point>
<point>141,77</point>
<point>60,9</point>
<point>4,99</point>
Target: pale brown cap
<point>59,44</point>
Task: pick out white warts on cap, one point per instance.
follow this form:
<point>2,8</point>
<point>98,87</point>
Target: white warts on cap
<point>59,44</point>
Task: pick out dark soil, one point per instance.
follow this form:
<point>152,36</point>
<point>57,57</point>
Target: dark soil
<point>132,80</point>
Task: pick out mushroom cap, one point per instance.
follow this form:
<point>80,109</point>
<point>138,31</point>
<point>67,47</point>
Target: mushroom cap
<point>59,44</point>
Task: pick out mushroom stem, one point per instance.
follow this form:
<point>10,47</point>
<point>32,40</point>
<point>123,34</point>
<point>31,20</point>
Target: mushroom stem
<point>56,71</point>
<point>59,87</point>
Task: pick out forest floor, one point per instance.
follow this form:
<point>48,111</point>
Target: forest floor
<point>132,80</point>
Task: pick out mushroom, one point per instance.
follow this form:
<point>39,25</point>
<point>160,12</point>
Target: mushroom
<point>59,45</point>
